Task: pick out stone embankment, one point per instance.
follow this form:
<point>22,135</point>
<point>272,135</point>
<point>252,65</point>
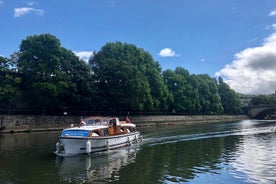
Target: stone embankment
<point>23,123</point>
<point>160,120</point>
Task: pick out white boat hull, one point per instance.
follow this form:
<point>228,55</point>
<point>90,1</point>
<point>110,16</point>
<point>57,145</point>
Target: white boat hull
<point>80,145</point>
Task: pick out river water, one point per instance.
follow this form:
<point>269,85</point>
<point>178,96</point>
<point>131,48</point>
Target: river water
<point>234,152</point>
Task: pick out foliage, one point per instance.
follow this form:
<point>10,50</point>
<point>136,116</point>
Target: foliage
<point>183,88</point>
<point>10,80</point>
<point>263,100</point>
<point>128,79</point>
<point>192,93</point>
<point>119,78</point>
<point>53,75</point>
<point>209,97</point>
<point>229,98</point>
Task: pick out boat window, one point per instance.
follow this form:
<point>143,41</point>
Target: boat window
<point>89,121</point>
<point>105,132</point>
<point>95,134</point>
<point>97,121</point>
<point>105,121</point>
<point>100,132</point>
<point>93,121</point>
<point>112,122</point>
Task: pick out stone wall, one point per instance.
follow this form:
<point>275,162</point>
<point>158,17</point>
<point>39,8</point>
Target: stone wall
<point>16,123</point>
<point>156,120</point>
<point>22,122</point>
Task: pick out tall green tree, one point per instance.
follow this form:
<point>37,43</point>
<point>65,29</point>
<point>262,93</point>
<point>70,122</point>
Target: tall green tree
<point>210,100</point>
<point>174,83</point>
<point>229,98</point>
<point>54,77</point>
<point>128,79</point>
<point>9,80</point>
<point>184,89</point>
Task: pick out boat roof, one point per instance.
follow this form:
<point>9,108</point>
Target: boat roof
<point>97,127</point>
<point>90,124</point>
<point>89,127</point>
<point>128,125</point>
<point>99,117</point>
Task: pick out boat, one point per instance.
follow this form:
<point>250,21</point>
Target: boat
<point>96,134</point>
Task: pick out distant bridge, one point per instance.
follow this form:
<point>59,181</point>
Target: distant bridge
<point>261,111</point>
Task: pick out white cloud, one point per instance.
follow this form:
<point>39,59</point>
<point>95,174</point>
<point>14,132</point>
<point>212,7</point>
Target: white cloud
<point>253,70</point>
<point>31,3</point>
<point>84,55</point>
<point>272,13</point>
<point>273,26</point>
<point>167,52</point>
<point>18,12</point>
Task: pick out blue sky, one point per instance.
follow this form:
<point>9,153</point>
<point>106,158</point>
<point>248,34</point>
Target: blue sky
<point>234,39</point>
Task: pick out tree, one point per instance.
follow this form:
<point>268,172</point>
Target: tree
<point>54,76</point>
<point>128,79</point>
<point>263,100</point>
<point>9,80</point>
<point>184,89</point>
<point>210,100</point>
<point>194,94</point>
<point>229,98</point>
<point>175,86</point>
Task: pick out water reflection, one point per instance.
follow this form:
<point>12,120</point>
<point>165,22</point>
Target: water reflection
<point>97,167</point>
<point>184,161</point>
<point>212,156</point>
<point>257,158</point>
<point>27,158</point>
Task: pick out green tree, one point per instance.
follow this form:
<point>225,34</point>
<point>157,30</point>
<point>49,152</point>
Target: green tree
<point>263,100</point>
<point>9,80</point>
<point>184,89</point>
<point>195,96</point>
<point>128,79</point>
<point>54,77</point>
<point>210,100</point>
<point>229,98</point>
<point>175,86</point>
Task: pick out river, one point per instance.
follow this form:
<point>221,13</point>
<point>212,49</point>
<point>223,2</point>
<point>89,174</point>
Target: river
<point>233,152</point>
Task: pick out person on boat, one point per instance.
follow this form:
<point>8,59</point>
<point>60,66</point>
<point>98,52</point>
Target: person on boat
<point>128,120</point>
<point>82,123</point>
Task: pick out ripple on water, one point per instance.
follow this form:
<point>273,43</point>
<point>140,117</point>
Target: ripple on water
<point>256,157</point>
<point>252,159</point>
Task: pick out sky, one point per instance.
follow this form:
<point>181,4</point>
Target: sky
<point>234,39</point>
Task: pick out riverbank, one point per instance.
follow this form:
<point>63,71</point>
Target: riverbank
<point>23,123</point>
<point>170,120</point>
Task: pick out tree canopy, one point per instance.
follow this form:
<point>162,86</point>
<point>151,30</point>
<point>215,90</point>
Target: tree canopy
<point>192,93</point>
<point>128,78</point>
<point>263,100</point>
<point>9,80</point>
<point>119,78</point>
<point>229,98</point>
<point>54,76</point>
